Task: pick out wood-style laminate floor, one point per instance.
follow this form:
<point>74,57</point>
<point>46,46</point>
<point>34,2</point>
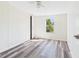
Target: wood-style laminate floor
<point>39,49</point>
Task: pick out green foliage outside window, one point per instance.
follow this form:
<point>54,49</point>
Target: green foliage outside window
<point>49,26</point>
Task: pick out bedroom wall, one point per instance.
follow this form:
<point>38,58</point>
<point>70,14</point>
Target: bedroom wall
<point>60,27</point>
<point>14,26</point>
<point>73,29</point>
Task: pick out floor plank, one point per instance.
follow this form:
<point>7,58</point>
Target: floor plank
<point>39,49</point>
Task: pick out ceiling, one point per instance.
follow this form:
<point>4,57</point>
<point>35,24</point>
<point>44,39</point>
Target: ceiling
<point>48,8</point>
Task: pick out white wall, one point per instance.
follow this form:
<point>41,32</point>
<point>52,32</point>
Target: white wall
<point>60,27</point>
<point>73,29</point>
<point>14,26</point>
<point>73,43</point>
